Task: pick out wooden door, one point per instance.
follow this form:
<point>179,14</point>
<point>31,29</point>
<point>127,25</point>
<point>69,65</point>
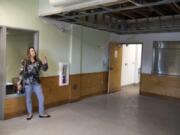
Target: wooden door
<point>115,64</point>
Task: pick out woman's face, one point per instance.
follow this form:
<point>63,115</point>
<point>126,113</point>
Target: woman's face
<point>32,52</point>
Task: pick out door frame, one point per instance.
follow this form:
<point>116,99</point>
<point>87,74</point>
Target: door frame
<point>122,43</point>
<point>3,39</point>
<point>137,43</point>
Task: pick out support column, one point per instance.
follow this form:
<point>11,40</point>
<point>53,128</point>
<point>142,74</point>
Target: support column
<point>2,70</point>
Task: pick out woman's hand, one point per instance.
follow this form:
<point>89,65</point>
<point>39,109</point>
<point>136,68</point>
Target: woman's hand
<point>19,87</point>
<point>44,60</point>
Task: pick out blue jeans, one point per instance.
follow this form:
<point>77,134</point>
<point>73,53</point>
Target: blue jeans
<point>37,89</point>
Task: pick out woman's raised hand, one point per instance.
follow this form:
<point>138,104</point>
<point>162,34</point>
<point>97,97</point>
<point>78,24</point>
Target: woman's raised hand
<point>44,60</point>
<point>19,87</point>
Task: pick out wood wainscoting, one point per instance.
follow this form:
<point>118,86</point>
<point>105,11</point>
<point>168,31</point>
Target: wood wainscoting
<point>14,106</point>
<point>54,95</point>
<point>94,84</point>
<point>75,87</point>
<point>81,85</point>
<point>160,85</point>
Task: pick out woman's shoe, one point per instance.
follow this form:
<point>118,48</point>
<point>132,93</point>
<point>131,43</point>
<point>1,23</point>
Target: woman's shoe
<point>29,117</point>
<point>44,116</point>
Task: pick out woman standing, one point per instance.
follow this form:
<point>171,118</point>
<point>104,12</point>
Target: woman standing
<point>29,79</point>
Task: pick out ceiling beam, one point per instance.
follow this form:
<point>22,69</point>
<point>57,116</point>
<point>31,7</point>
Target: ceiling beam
<point>143,29</point>
<point>126,9</point>
<point>122,13</point>
<point>174,8</point>
<point>176,5</point>
<point>167,24</point>
<point>127,15</point>
<point>157,11</point>
<point>141,13</point>
<point>135,3</point>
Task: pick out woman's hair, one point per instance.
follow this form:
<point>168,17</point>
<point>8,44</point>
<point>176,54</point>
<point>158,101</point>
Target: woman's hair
<point>28,56</point>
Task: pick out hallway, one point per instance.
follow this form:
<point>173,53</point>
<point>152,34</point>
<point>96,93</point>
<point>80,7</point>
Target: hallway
<point>122,113</point>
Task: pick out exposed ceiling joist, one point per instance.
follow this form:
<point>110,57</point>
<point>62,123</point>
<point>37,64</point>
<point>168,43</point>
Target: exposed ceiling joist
<point>127,8</point>
<point>157,11</point>
<point>132,16</point>
<point>135,3</point>
<point>127,15</point>
<point>176,5</point>
<point>173,7</point>
<point>141,13</point>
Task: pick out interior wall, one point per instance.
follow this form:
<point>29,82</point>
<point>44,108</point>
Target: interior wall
<point>52,42</point>
<point>138,62</point>
<point>46,8</point>
<point>56,44</point>
<point>15,51</point>
<point>68,46</point>
<point>94,50</point>
<point>147,41</point>
<point>76,49</point>
<point>89,50</point>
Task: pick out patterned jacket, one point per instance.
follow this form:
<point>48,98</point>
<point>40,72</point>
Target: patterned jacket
<point>29,72</point>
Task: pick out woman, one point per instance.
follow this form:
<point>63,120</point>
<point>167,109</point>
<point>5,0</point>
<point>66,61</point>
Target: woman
<point>29,79</point>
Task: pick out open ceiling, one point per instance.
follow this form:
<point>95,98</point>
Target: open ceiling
<point>127,17</point>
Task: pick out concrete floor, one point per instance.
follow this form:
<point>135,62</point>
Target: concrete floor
<point>122,113</point>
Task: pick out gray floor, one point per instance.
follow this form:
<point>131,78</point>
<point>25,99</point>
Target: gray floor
<point>122,113</point>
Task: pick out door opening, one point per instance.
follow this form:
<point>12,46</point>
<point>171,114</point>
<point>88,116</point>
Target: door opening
<point>124,65</point>
<point>131,64</point>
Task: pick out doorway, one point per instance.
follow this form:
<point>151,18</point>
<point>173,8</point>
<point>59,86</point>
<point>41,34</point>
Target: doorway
<point>124,65</point>
<point>131,64</point>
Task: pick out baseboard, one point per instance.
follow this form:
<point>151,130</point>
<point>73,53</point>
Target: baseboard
<point>159,96</point>
<point>94,94</point>
<point>57,104</point>
<point>35,109</point>
<point>75,100</point>
<point>13,115</point>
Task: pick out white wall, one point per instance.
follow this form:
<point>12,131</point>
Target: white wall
<point>76,50</point>
<point>94,50</point>
<point>45,8</point>
<point>53,43</point>
<point>89,50</point>
<point>15,51</point>
<point>138,63</point>
<point>147,40</point>
<point>68,46</point>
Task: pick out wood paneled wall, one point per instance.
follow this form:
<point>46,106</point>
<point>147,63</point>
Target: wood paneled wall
<point>54,95</point>
<point>14,106</point>
<point>81,85</point>
<point>93,84</point>
<point>75,87</point>
<point>161,85</point>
